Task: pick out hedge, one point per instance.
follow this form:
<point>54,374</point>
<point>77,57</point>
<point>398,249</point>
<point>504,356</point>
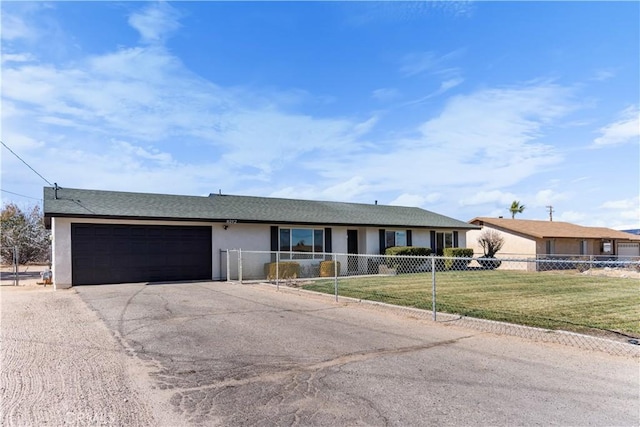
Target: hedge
<point>457,264</point>
<point>285,270</point>
<point>405,265</point>
<point>408,250</point>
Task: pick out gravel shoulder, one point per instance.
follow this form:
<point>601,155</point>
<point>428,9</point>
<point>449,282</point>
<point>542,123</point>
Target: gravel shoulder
<point>62,366</point>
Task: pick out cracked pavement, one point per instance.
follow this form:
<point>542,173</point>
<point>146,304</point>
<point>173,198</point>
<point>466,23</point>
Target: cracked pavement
<point>226,354</point>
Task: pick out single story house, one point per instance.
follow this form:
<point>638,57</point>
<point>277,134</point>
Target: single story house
<point>119,237</point>
<point>540,239</point>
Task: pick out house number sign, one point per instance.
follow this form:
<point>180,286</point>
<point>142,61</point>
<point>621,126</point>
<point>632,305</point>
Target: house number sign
<point>232,221</point>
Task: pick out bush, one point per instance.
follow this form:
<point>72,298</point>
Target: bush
<point>489,263</point>
<point>408,250</point>
<point>457,264</point>
<point>285,270</point>
<point>328,268</point>
<point>405,265</point>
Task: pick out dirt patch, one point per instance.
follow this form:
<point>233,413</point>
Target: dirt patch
<point>61,365</point>
<point>27,274</point>
<point>625,273</point>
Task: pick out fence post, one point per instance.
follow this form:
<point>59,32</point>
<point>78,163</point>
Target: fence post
<point>228,272</point>
<point>277,271</point>
<point>335,275</point>
<point>433,286</point>
<point>240,265</point>
<point>16,264</point>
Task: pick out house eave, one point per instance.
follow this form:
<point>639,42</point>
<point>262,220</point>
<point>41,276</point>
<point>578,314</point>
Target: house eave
<point>49,216</point>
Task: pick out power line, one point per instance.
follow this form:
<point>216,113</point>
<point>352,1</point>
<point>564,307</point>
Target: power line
<point>21,195</point>
<point>19,158</point>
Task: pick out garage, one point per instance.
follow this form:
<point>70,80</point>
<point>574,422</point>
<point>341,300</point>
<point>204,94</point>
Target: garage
<point>108,253</point>
<point>628,250</point>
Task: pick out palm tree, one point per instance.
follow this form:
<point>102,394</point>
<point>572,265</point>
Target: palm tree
<point>515,208</point>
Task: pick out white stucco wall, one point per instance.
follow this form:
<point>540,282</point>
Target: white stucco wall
<point>372,244</point>
<point>421,238</point>
<point>61,252</point>
<point>248,237</point>
<point>339,242</point>
<point>462,239</point>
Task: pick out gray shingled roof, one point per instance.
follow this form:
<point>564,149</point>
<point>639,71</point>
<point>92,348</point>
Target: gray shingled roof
<point>219,208</point>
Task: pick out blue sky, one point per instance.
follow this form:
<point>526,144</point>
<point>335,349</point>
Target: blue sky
<point>455,107</point>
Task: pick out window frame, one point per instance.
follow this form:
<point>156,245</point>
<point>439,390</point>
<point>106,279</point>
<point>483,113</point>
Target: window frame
<point>317,242</point>
<point>395,234</point>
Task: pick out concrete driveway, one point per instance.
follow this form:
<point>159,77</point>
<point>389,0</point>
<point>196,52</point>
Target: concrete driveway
<point>229,354</point>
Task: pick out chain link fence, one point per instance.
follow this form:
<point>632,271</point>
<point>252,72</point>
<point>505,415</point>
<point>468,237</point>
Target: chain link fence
<point>591,302</point>
<point>9,272</point>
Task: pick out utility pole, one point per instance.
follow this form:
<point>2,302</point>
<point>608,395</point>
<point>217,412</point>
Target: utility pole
<point>550,212</point>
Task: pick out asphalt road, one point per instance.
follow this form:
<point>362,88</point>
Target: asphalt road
<point>228,354</point>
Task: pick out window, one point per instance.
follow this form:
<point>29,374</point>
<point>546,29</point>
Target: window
<point>299,241</point>
<point>551,247</point>
<point>583,247</point>
<point>395,238</point>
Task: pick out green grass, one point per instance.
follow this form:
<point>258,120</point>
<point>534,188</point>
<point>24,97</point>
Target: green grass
<point>553,300</point>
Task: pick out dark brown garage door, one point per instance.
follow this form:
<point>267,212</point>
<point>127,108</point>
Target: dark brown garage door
<point>103,253</point>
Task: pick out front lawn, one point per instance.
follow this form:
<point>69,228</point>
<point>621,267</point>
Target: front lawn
<point>553,300</point>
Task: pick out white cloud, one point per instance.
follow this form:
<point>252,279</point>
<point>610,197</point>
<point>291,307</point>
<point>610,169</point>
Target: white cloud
<point>547,197</point>
<point>489,197</point>
<point>132,118</point>
<point>625,130</point>
<point>450,84</point>
<point>150,153</point>
<point>14,27</point>
<point>17,57</point>
<point>571,216</point>
<point>437,67</point>
<point>416,200</point>
<point>631,203</point>
<point>385,94</point>
<point>155,22</point>
<point>603,75</point>
<point>422,62</point>
<point>346,191</point>
<point>479,147</point>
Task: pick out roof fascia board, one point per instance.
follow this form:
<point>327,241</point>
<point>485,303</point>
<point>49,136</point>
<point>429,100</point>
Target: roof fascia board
<point>219,220</point>
<point>517,233</point>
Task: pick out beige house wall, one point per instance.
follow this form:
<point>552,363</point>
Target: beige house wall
<point>571,246</point>
<point>513,244</point>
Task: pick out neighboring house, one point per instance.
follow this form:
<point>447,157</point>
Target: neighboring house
<point>118,237</point>
<point>530,238</point>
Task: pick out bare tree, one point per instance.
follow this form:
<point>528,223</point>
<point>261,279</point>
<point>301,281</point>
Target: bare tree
<point>491,242</point>
<point>24,230</point>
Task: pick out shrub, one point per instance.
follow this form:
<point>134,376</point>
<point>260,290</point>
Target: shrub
<point>285,270</point>
<point>405,265</point>
<point>489,263</point>
<point>328,268</point>
<point>408,250</point>
<point>457,264</point>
